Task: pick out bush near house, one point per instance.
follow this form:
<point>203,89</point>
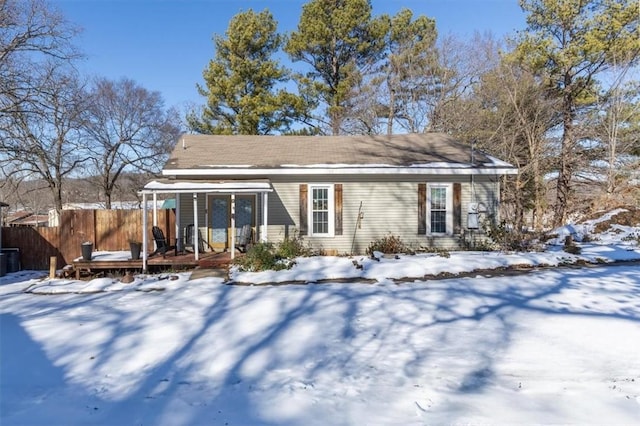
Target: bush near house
<point>389,244</point>
<point>267,256</point>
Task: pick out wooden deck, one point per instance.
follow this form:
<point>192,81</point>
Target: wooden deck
<point>171,260</point>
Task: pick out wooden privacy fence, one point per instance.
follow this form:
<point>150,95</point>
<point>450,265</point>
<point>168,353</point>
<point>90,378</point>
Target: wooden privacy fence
<point>108,230</point>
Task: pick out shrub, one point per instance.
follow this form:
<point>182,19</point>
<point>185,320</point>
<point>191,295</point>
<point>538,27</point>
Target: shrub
<point>265,256</point>
<point>504,237</point>
<point>388,245</point>
<point>259,257</point>
<point>570,247</point>
<point>292,247</point>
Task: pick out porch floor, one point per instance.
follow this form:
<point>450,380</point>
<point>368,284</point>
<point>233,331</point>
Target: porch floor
<point>171,260</point>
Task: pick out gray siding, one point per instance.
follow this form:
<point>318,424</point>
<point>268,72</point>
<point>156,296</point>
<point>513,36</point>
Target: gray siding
<point>389,207</point>
<point>187,217</point>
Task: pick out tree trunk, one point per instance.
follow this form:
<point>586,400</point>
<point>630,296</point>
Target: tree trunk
<point>391,115</point>
<point>57,198</point>
<point>567,161</point>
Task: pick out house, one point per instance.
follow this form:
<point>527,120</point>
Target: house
<point>26,218</point>
<point>339,193</point>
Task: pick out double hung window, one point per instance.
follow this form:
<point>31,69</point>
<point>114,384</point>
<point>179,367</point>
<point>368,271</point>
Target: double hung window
<point>439,209</point>
<point>321,210</point>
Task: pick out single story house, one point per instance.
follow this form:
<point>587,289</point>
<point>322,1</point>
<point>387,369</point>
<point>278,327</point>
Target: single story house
<point>338,193</point>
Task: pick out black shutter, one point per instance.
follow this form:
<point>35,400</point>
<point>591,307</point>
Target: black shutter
<point>422,209</point>
<point>303,209</point>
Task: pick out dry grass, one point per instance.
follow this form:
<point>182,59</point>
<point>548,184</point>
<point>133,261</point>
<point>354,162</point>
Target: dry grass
<point>630,217</point>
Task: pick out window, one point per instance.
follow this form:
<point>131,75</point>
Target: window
<point>321,207</point>
<point>439,209</point>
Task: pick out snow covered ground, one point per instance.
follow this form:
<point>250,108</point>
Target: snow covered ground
<point>379,344</point>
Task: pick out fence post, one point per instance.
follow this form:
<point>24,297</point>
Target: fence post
<point>53,263</point>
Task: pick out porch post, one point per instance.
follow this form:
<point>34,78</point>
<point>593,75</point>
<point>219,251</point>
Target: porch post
<point>196,232</point>
<point>233,225</point>
<point>179,237</point>
<point>155,209</point>
<point>265,210</point>
<point>144,232</point>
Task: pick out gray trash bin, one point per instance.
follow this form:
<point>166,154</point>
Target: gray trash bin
<point>13,259</point>
<point>3,265</point>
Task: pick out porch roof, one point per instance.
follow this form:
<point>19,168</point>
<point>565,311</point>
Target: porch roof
<point>162,186</point>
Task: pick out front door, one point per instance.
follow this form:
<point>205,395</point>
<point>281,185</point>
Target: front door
<point>220,207</point>
<point>220,225</point>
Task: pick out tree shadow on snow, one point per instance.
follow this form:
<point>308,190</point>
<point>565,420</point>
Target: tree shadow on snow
<point>269,354</point>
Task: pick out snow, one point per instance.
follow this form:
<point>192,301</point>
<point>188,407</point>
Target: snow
<point>208,186</point>
<point>386,344</point>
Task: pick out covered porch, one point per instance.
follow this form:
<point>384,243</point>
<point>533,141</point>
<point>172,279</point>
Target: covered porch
<point>211,206</point>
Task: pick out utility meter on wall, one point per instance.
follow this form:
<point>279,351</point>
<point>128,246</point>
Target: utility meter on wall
<point>472,218</point>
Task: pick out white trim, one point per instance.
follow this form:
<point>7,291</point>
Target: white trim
<point>331,209</point>
<point>341,171</point>
<point>449,207</point>
<point>233,226</point>
<point>265,212</point>
<point>179,232</point>
<point>196,229</point>
<point>145,248</point>
<point>182,187</point>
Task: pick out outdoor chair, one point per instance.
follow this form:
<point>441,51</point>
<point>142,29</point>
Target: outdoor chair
<point>243,238</point>
<point>190,238</point>
<point>162,245</point>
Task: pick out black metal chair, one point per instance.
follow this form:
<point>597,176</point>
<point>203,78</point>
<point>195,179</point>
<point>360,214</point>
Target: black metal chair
<point>190,236</point>
<point>162,245</point>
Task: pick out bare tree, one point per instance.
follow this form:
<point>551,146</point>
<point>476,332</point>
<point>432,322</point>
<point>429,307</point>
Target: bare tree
<point>461,63</point>
<point>42,140</point>
<point>615,126</point>
<point>30,32</point>
<point>517,117</point>
<point>127,129</point>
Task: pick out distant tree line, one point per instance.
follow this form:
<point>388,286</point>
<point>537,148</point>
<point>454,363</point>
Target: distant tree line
<point>558,99</point>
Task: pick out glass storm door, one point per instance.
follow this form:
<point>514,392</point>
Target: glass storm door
<point>220,207</point>
<point>220,210</point>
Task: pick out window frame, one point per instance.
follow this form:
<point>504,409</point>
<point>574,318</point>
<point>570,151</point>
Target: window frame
<point>331,209</point>
<point>448,208</point>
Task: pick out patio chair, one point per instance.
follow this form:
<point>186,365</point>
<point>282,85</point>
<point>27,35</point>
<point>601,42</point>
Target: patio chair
<point>162,245</point>
<point>243,238</point>
<point>190,238</point>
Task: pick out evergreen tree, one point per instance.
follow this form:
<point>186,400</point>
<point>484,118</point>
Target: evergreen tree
<point>339,39</point>
<point>242,82</point>
<point>410,71</point>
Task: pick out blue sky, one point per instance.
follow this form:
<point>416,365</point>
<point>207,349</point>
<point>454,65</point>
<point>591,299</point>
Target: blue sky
<point>164,45</point>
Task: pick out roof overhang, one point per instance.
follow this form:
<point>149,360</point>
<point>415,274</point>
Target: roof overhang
<point>165,186</point>
<point>228,171</point>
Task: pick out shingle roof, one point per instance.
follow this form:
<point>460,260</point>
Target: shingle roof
<point>270,152</point>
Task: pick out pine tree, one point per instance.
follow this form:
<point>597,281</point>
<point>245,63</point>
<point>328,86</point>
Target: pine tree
<point>244,83</point>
